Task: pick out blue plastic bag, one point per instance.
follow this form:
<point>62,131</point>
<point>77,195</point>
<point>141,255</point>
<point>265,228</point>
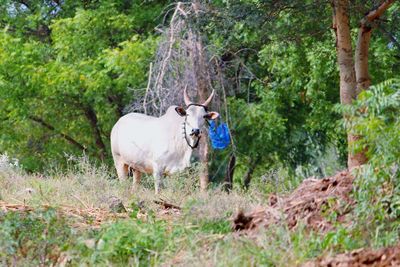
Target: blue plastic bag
<point>219,135</point>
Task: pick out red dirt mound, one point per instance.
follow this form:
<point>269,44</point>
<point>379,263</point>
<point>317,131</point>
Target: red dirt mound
<point>311,203</point>
<point>361,257</point>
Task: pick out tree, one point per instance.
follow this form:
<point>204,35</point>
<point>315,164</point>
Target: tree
<point>60,95</point>
<point>203,84</point>
<point>291,58</point>
<point>354,72</point>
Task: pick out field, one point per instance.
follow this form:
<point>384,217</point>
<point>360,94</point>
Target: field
<point>75,218</point>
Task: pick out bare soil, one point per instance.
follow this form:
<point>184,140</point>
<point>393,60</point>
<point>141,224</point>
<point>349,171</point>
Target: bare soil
<point>316,203</point>
<point>361,257</point>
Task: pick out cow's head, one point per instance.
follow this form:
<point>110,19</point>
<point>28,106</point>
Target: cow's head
<point>196,115</point>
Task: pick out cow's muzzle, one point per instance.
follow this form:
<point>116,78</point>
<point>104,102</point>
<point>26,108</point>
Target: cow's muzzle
<point>195,133</point>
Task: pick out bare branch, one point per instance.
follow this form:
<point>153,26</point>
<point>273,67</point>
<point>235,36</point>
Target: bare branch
<point>147,88</point>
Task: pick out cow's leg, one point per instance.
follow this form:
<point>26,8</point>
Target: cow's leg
<point>122,170</point>
<point>120,166</point>
<point>137,176</point>
<point>157,173</point>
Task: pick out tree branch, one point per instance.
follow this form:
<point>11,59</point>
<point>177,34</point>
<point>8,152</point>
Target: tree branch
<point>92,117</point>
<point>116,100</point>
<point>52,128</point>
<point>377,12</point>
<point>362,47</point>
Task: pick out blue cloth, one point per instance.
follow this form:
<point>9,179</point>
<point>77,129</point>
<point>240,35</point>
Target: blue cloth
<point>219,135</point>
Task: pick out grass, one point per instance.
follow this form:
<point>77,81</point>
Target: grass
<point>200,235</point>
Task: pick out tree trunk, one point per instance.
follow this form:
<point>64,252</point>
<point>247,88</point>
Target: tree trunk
<point>362,47</point>
<point>228,184</point>
<point>348,83</point>
<point>201,71</point>
<point>354,77</point>
<point>361,67</point>
<point>93,121</point>
<point>250,171</point>
<point>361,57</point>
<point>203,95</point>
<point>344,51</point>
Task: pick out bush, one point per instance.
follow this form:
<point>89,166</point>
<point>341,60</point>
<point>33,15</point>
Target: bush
<point>375,117</point>
<point>127,241</point>
<point>33,238</point>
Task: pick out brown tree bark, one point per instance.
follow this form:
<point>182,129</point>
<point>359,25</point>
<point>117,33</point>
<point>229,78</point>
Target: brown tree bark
<point>361,58</point>
<point>228,183</point>
<point>344,51</point>
<point>354,76</point>
<point>348,83</point>
<point>249,174</point>
<point>362,46</point>
<point>203,95</point>
<point>200,67</point>
<point>362,69</point>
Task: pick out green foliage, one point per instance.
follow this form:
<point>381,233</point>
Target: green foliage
<point>36,238</point>
<point>291,119</point>
<point>144,242</point>
<point>62,97</point>
<point>216,227</point>
<point>375,118</point>
<point>291,58</point>
<point>70,68</point>
<point>257,126</point>
<point>124,241</point>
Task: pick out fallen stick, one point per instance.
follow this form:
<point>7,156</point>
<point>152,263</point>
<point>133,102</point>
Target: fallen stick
<point>166,205</point>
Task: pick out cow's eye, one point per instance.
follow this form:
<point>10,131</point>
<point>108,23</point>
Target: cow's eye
<point>207,116</point>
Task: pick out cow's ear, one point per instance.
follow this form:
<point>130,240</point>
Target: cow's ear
<point>211,115</point>
<point>181,111</point>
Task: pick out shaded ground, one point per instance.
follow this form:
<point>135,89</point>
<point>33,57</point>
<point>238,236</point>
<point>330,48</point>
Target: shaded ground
<point>361,257</point>
<point>316,203</point>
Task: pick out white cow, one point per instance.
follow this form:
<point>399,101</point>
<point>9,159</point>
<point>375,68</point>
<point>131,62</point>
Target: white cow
<point>160,145</point>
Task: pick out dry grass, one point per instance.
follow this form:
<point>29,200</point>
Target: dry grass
<point>198,232</point>
<point>86,186</point>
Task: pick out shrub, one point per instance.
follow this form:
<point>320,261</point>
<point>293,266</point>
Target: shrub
<point>375,117</point>
<point>127,241</point>
<point>33,238</point>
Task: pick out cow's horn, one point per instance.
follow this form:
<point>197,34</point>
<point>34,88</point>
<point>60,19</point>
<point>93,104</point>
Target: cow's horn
<point>186,97</point>
<point>209,99</point>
